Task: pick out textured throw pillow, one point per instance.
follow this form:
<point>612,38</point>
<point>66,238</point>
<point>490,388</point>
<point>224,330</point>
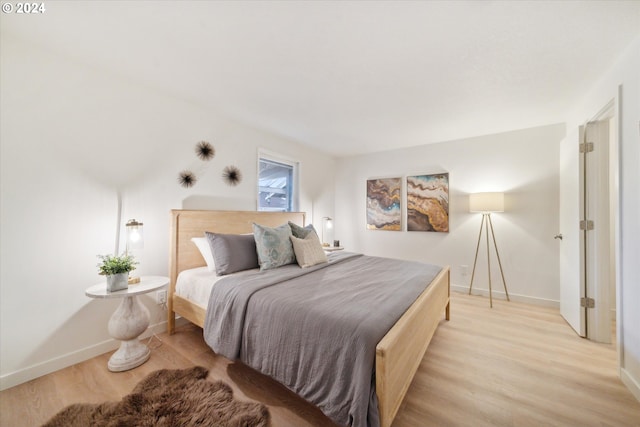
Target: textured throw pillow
<point>205,250</point>
<point>301,232</point>
<point>308,250</point>
<point>232,252</point>
<point>273,246</point>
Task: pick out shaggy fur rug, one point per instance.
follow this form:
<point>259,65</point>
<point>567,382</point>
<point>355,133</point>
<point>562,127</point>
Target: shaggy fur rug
<point>169,398</point>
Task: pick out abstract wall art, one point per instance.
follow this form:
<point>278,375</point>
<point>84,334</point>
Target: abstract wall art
<point>428,202</point>
<point>384,204</point>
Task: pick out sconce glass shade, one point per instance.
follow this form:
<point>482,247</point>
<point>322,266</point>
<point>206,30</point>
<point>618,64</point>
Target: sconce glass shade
<point>135,237</point>
<point>328,222</point>
<point>486,202</point>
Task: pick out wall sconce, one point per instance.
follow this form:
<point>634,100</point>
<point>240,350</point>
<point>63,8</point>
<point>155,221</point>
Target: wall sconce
<point>328,223</point>
<point>135,241</point>
<point>486,203</point>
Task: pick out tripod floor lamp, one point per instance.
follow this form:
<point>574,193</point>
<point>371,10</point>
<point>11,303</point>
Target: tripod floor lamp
<point>486,203</point>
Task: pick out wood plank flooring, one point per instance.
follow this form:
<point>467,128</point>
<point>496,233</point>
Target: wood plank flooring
<point>513,365</point>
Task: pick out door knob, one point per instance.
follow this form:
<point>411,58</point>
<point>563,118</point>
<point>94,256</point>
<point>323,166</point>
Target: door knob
<point>558,236</point>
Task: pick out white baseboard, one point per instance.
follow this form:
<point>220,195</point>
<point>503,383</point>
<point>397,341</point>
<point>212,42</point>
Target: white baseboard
<point>43,368</point>
<point>513,297</point>
<point>631,383</point>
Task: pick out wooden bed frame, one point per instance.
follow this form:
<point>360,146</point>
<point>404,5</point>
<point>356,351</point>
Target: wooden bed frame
<point>398,354</point>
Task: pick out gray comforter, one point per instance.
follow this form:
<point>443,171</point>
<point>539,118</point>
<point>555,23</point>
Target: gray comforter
<point>315,330</point>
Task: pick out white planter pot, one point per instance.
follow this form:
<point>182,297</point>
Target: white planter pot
<point>117,282</point>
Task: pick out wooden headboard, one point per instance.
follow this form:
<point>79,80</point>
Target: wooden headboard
<point>186,224</point>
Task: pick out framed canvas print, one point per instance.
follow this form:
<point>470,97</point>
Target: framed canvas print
<point>428,202</point>
<point>384,204</point>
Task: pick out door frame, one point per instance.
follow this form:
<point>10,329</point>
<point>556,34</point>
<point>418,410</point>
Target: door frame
<point>595,241</point>
<point>601,316</point>
<point>572,262</point>
<point>614,173</point>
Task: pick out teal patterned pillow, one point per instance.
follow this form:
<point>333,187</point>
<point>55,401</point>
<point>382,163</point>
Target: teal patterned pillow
<point>301,232</point>
<point>273,246</point>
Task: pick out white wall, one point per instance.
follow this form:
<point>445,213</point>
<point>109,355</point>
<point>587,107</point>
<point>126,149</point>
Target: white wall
<point>74,140</point>
<point>524,164</point>
<point>622,83</point>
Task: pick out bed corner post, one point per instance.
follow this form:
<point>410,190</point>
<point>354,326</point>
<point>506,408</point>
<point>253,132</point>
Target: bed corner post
<point>173,273</point>
<point>171,319</point>
<point>447,310</point>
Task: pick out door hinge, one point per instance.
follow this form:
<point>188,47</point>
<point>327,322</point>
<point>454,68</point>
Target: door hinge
<point>586,147</point>
<point>587,302</point>
<point>586,224</point>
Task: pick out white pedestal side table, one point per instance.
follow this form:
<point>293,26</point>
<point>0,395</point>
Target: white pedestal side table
<point>129,321</point>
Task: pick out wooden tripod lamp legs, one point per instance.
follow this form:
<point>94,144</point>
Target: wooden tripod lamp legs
<point>486,223</point>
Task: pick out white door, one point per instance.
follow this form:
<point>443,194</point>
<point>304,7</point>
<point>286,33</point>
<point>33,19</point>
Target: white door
<point>597,265</point>
<point>586,254</point>
<point>570,290</point>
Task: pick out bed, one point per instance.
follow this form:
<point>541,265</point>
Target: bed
<point>397,354</point>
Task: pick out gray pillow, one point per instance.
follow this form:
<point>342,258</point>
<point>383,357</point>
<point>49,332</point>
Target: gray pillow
<point>273,246</point>
<point>301,232</point>
<point>232,252</point>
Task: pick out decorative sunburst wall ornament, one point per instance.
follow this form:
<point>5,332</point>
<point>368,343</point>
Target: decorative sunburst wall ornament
<point>232,175</point>
<point>187,179</point>
<point>205,151</point>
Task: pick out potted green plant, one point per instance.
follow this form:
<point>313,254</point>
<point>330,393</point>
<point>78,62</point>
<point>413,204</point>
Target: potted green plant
<point>117,269</point>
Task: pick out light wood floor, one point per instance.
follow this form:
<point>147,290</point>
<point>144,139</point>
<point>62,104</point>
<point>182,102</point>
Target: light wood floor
<point>513,365</point>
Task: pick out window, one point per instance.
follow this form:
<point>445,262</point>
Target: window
<point>277,182</point>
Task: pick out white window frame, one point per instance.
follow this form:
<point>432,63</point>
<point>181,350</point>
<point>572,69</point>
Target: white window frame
<point>278,158</point>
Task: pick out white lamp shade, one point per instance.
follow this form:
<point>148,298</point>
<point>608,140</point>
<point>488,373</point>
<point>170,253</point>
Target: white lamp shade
<point>486,202</point>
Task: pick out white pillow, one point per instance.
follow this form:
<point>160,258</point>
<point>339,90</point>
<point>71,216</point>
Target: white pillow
<point>205,250</point>
<point>309,250</point>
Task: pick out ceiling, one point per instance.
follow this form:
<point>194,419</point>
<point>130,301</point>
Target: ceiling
<point>351,77</point>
